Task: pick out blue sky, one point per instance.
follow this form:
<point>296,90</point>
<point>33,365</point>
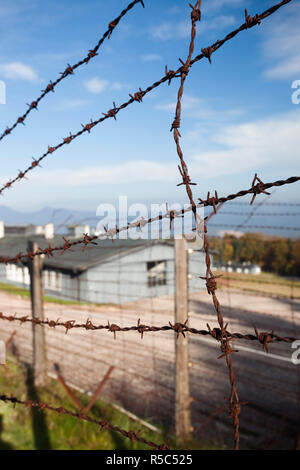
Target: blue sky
<point>238,117</point>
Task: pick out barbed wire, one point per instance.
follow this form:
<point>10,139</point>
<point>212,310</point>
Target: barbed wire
<point>186,181</point>
<point>255,190</point>
<point>70,70</point>
<point>103,424</point>
<point>140,328</point>
<point>183,169</point>
<point>138,96</point>
<point>221,334</point>
<point>254,208</point>
<point>224,338</point>
<point>113,232</point>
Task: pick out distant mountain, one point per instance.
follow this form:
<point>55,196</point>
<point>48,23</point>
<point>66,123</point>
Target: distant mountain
<point>59,217</point>
<point>283,221</point>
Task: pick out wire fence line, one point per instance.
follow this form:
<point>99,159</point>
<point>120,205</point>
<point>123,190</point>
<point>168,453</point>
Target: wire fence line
<point>179,328</point>
<point>220,333</point>
<point>210,278</point>
<point>70,70</point>
<point>138,96</point>
<point>103,424</point>
<point>113,232</point>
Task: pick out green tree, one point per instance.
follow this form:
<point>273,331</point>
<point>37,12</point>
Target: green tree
<point>276,256</point>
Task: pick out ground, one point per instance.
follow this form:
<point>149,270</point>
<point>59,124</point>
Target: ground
<point>22,428</point>
<point>143,377</point>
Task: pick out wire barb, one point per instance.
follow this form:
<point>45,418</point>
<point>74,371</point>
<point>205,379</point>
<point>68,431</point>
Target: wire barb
<point>71,68</point>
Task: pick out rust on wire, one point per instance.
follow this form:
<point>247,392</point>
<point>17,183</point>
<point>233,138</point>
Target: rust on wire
<point>178,328</point>
<point>224,338</point>
<point>70,69</point>
<point>103,424</point>
<point>171,215</point>
<point>138,96</point>
<point>183,169</point>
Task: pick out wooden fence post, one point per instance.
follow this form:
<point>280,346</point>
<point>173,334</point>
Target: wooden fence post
<point>37,308</point>
<point>182,390</point>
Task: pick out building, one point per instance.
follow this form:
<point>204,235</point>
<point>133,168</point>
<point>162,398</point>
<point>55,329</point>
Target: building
<point>245,268</point>
<point>108,272</point>
<point>232,233</point>
<point>26,230</point>
<point>77,230</point>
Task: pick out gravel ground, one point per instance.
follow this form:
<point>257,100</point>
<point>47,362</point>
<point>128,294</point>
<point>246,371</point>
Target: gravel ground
<point>143,378</point>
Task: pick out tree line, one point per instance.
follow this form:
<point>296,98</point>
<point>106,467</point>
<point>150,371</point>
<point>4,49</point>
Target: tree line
<point>273,253</point>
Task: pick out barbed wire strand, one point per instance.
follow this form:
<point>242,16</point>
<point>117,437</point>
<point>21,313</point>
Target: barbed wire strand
<point>140,223</point>
<point>224,338</point>
<point>103,424</point>
<point>138,96</point>
<point>263,338</point>
<point>70,70</point>
<point>183,169</point>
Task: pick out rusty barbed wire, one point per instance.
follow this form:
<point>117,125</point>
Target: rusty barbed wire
<point>254,208</point>
<point>223,336</point>
<point>183,169</point>
<point>103,424</point>
<point>138,96</point>
<point>235,405</point>
<point>252,190</point>
<point>140,328</point>
<point>113,232</point>
<point>70,70</point>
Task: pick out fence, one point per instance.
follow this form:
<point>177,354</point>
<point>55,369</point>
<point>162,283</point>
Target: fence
<point>123,322</point>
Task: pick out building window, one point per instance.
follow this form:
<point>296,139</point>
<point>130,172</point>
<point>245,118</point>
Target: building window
<point>17,274</point>
<point>157,273</point>
<point>52,280</point>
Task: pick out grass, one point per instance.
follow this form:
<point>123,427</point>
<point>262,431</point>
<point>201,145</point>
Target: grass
<point>25,294</point>
<point>27,429</point>
<point>266,283</point>
<point>10,289</point>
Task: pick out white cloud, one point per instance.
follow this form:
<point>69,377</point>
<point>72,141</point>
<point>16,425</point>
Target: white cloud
<point>135,171</point>
<point>281,46</point>
<point>264,145</point>
<point>151,57</point>
<point>188,102</point>
<point>197,108</point>
<point>289,68</point>
<point>95,85</point>
<point>18,70</point>
<point>267,143</point>
<point>169,30</point>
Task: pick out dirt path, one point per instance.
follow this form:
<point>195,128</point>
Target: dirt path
<point>143,378</point>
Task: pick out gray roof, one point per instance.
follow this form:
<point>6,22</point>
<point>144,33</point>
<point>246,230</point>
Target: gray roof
<point>76,260</point>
